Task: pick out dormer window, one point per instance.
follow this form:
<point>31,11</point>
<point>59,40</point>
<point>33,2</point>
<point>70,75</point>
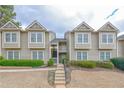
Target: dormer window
<point>82,38</point>
<point>10,37</point>
<point>107,38</point>
<point>36,37</point>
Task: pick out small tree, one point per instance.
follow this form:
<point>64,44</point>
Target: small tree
<point>50,62</point>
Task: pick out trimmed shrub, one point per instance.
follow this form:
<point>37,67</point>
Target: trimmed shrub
<point>30,63</point>
<point>92,64</point>
<point>50,62</point>
<point>1,57</point>
<point>118,62</point>
<point>105,65</point>
<point>86,64</point>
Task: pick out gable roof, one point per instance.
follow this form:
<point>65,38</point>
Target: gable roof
<point>36,25</point>
<point>9,25</point>
<point>83,27</point>
<point>108,27</point>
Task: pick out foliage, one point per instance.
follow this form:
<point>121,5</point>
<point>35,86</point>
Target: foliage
<point>7,14</point>
<point>92,64</point>
<point>105,65</point>
<point>50,62</point>
<point>1,57</point>
<point>86,64</point>
<point>30,63</point>
<point>118,62</point>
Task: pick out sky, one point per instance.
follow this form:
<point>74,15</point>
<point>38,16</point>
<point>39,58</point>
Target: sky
<point>62,18</point>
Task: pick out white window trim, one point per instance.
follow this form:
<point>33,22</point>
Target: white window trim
<point>13,54</point>
<point>82,51</point>
<point>105,53</point>
<point>37,53</point>
<point>76,38</point>
<point>10,37</point>
<point>107,38</point>
<point>36,37</point>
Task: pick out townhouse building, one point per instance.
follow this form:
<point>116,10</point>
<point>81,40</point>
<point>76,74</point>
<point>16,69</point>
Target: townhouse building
<point>82,43</point>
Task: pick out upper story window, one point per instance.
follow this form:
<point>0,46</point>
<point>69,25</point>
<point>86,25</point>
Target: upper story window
<point>11,37</point>
<point>81,55</point>
<point>82,38</point>
<point>107,38</point>
<point>36,37</point>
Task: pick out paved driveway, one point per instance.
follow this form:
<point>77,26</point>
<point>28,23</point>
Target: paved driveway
<point>96,79</point>
<point>24,79</point>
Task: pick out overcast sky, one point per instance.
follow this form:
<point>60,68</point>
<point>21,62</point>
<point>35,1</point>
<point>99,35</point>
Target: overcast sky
<point>60,19</point>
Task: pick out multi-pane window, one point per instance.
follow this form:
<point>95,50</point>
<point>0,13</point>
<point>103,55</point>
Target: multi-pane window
<point>13,54</point>
<point>81,55</point>
<point>11,37</point>
<point>107,38</point>
<point>82,38</point>
<point>36,37</point>
<point>79,38</point>
<point>105,55</point>
<point>37,54</point>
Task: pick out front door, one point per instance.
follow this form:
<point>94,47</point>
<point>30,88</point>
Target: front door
<point>62,57</point>
<point>54,54</point>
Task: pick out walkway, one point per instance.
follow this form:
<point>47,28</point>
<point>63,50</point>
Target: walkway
<point>25,70</point>
<point>60,76</point>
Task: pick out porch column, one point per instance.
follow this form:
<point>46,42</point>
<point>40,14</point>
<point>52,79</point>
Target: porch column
<point>57,53</point>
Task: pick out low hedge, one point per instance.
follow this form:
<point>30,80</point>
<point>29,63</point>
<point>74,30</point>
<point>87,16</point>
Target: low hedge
<point>118,62</point>
<point>92,64</point>
<point>86,64</point>
<point>105,65</point>
<point>30,63</point>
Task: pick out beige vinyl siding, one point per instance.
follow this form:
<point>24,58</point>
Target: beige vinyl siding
<point>93,53</point>
<point>25,52</point>
<point>120,48</point>
<point>11,44</point>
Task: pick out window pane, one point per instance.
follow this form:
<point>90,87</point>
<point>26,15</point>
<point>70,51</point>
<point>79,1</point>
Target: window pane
<point>101,55</point>
<point>33,37</point>
<point>107,55</point>
<point>78,55</point>
<point>7,37</point>
<point>84,55</point>
<point>16,55</point>
<point>13,37</point>
<point>79,38</point>
<point>85,38</point>
<point>10,55</point>
<point>40,55</point>
<point>110,38</point>
<point>104,38</point>
<point>39,37</point>
<point>34,55</point>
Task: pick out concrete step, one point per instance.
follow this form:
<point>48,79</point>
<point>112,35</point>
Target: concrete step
<point>60,86</point>
<point>59,68</point>
<point>60,82</point>
<point>60,75</point>
<point>60,78</point>
<point>60,71</point>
